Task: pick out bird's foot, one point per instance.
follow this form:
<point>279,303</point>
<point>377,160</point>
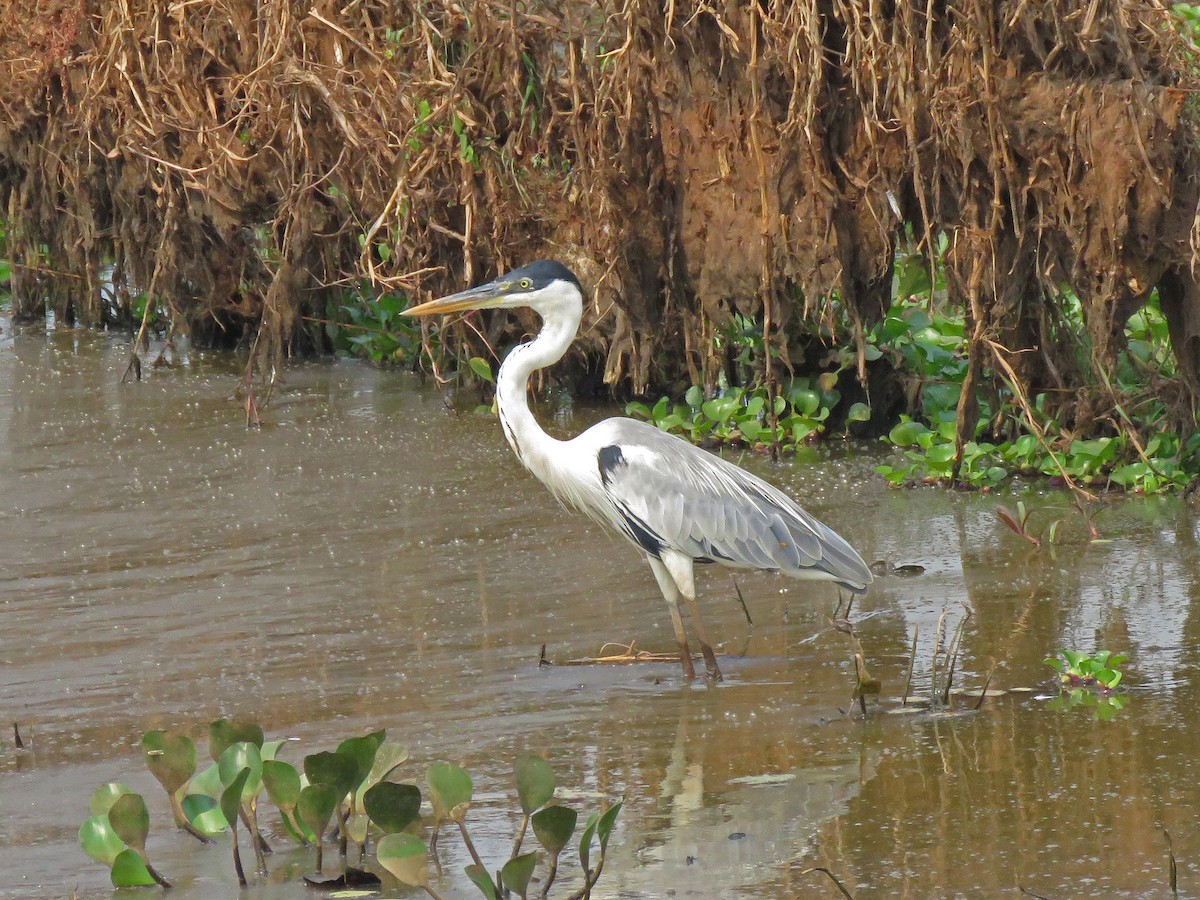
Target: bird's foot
<point>685,657</point>
<point>712,670</point>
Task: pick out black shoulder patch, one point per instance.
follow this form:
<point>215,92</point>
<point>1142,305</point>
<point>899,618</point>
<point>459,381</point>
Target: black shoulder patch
<point>610,459</point>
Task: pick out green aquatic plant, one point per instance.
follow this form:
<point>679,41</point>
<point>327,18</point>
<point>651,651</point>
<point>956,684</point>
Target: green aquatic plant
<point>1088,681</point>
<point>349,789</point>
<point>1098,672</point>
<point>370,327</point>
<point>115,834</point>
<point>749,416</point>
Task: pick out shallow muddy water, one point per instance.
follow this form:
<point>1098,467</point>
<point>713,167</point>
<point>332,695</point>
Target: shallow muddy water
<point>369,560</point>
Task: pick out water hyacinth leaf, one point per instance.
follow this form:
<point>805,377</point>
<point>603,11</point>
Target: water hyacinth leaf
<point>553,827</point>
<point>170,757</point>
<point>449,790</point>
<point>362,751</point>
<point>99,840</point>
<point>282,782</point>
<point>585,841</point>
<point>605,826</point>
<point>859,412</point>
<point>481,879</point>
<point>129,870</point>
<point>204,813</point>
<point>393,807</point>
<point>239,756</point>
<point>337,771</point>
<point>517,872</point>
<point>535,782</point>
<point>231,798</point>
<point>225,732</point>
<point>105,796</point>
<point>315,806</point>
<point>405,857</point>
<point>388,758</point>
<point>270,749</point>
<point>906,433</point>
<point>130,820</point>
<point>208,783</point>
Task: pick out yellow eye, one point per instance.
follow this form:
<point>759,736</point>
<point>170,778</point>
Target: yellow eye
<point>525,283</point>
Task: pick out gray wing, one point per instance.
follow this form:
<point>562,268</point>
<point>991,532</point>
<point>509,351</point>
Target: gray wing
<point>668,493</point>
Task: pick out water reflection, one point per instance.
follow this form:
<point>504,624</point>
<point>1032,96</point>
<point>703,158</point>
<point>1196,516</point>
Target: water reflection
<point>368,560</point>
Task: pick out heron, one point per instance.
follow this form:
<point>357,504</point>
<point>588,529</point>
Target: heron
<point>677,503</point>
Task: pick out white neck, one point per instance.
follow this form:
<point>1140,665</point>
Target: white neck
<point>561,308</point>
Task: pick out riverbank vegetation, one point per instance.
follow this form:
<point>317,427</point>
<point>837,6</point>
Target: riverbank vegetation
<point>971,229</point>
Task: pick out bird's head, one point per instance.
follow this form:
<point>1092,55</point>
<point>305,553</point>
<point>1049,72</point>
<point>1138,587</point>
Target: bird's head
<point>538,285</point>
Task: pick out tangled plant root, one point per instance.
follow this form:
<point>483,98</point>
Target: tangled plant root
<point>242,162</point>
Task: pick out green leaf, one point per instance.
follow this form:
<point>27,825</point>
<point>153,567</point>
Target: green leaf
<point>585,841</point>
<point>208,782</point>
<point>130,820</point>
<point>449,790</point>
<point>393,807</point>
<point>554,826</point>
<point>315,807</point>
<point>905,434</point>
<point>204,812</point>
<point>637,410</point>
<point>482,369</point>
<point>99,840</point>
<point>338,771</point>
<point>231,798</point>
<point>225,732</point>
<point>282,782</point>
<point>719,409</point>
<point>405,857</point>
<point>388,758</point>
<point>239,756</point>
<point>270,749</point>
<point>859,412</point>
<point>105,796</point>
<point>805,401</point>
<point>605,826</point>
<point>694,396</point>
<point>517,872</point>
<point>481,879</point>
<point>129,870</point>
<point>912,276</point>
<point>362,751</point>
<point>170,757</point>
<point>535,783</point>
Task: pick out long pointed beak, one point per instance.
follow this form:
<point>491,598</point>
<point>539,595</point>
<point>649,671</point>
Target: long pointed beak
<point>473,298</point>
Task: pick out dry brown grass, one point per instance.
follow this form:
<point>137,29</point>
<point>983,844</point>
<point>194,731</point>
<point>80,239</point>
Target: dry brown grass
<point>242,160</point>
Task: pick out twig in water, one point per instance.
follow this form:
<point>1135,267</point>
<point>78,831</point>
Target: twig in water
<point>1173,870</point>
<point>741,600</point>
<point>952,653</point>
<point>912,661</point>
<point>836,882</point>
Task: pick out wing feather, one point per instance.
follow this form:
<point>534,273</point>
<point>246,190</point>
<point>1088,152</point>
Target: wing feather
<point>659,489</point>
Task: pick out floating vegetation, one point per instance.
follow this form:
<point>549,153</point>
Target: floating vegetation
<point>1089,682</point>
<point>346,795</point>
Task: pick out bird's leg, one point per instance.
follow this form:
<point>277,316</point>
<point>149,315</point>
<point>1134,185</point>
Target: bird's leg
<point>679,567</point>
<point>685,652</point>
<point>671,594</point>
